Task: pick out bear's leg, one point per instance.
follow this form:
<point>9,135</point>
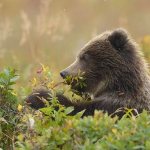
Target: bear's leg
<point>36,101</point>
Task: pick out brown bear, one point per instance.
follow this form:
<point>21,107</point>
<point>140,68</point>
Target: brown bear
<point>115,72</point>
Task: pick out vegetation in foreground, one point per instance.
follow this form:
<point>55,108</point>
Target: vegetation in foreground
<point>30,35</point>
<point>23,128</point>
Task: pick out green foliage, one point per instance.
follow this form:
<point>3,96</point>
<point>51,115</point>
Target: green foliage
<point>8,77</point>
<point>98,132</point>
<point>8,103</point>
<point>78,82</point>
<point>78,79</point>
<point>50,128</point>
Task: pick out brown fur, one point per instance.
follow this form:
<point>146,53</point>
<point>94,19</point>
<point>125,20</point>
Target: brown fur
<point>115,71</point>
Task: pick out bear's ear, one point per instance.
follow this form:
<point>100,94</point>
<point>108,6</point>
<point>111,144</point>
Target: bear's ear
<point>118,38</point>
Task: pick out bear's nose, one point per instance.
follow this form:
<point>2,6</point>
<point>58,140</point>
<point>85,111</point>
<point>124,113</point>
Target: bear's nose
<point>63,74</point>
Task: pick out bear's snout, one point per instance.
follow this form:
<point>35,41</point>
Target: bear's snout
<point>64,74</point>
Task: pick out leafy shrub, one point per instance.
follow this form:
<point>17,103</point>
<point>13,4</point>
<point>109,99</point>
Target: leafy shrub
<point>23,128</point>
<point>8,103</point>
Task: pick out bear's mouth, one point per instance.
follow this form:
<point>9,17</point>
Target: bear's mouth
<point>76,83</point>
<point>78,90</point>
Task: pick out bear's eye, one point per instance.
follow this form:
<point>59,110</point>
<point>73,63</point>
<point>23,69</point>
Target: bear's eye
<point>84,57</point>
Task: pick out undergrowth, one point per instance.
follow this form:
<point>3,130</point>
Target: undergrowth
<point>22,128</point>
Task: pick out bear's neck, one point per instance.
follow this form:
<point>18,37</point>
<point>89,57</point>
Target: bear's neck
<point>129,83</point>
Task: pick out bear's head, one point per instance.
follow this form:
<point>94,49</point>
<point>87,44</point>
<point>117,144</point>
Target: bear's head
<point>110,61</point>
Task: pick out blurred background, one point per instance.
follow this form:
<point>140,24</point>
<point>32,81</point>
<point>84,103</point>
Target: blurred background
<point>52,32</point>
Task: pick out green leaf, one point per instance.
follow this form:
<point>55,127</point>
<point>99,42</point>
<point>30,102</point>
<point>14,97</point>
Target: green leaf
<point>14,79</point>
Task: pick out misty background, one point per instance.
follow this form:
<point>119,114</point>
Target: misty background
<point>52,32</point>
